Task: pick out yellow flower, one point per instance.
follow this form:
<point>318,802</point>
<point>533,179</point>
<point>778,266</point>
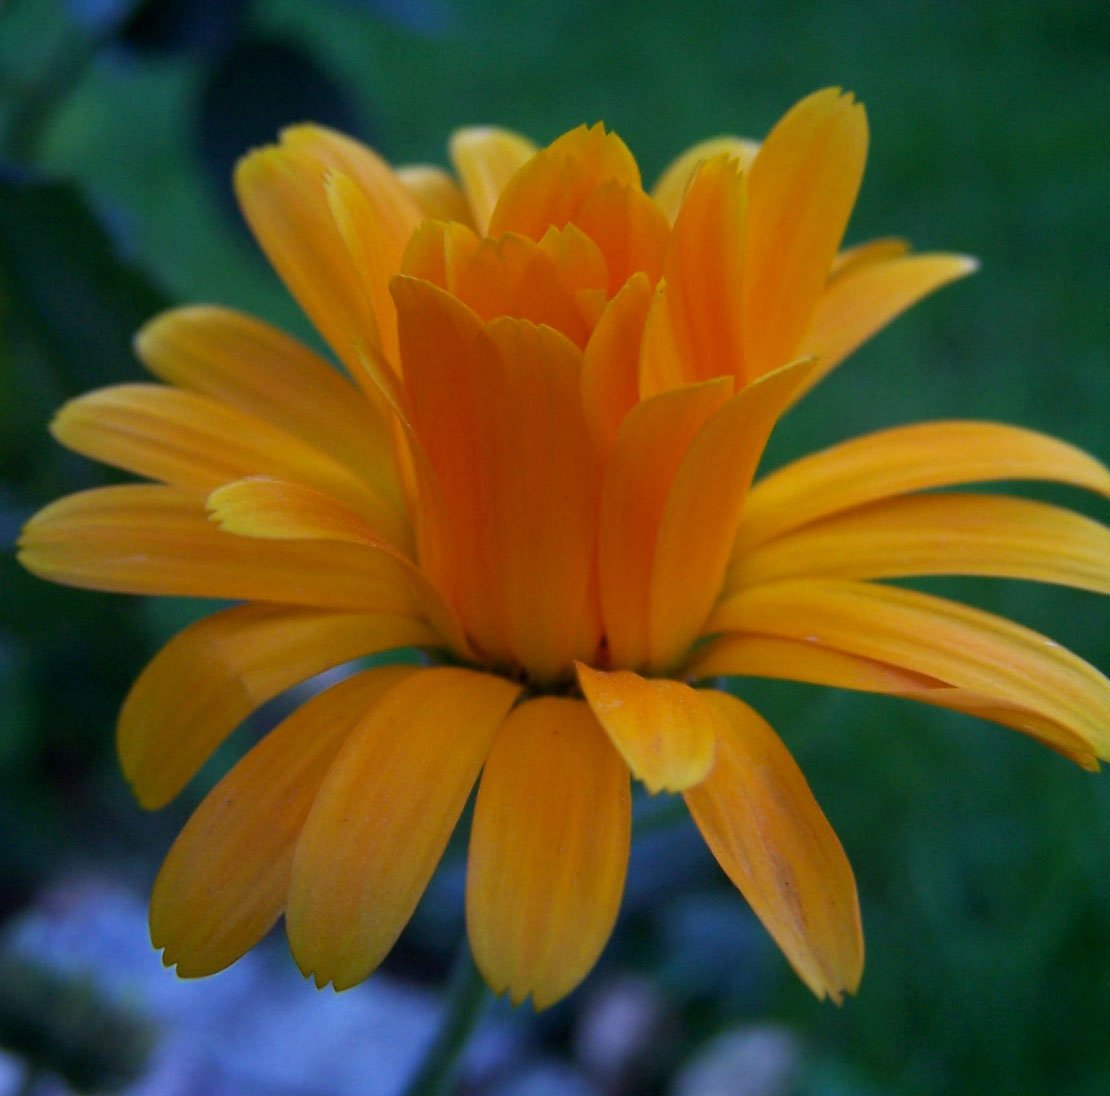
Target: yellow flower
<point>538,472</point>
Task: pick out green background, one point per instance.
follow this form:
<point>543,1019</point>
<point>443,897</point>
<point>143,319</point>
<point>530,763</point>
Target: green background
<point>983,861</point>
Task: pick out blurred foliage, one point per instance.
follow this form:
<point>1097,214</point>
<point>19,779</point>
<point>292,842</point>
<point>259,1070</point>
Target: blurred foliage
<point>982,860</point>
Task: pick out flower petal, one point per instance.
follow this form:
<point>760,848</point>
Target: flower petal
<point>548,851</point>
<point>223,885</point>
<point>808,661</point>
<point>383,816</point>
<point>704,507</point>
<point>962,646</point>
<point>610,372</point>
<point>277,510</point>
<point>504,431</point>
<point>486,158</point>
<point>211,676</point>
<point>259,370</point>
<point>695,330</point>
<point>761,822</point>
<point>662,728</point>
<point>864,298</point>
<point>941,534</point>
<point>645,458</point>
<point>149,539</point>
<point>801,189</point>
<point>669,191</point>
<point>552,186</point>
<point>195,442</point>
<point>440,198</point>
<point>908,458</point>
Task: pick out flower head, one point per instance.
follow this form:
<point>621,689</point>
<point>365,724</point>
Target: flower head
<point>538,469</point>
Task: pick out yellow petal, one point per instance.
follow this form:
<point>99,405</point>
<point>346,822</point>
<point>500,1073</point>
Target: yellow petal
<point>257,369</point>
<point>941,534</point>
<point>763,825</point>
<point>148,539</point>
<point>964,647</point>
<point>504,431</point>
<point>383,816</point>
<point>195,442</point>
<point>610,372</point>
<point>548,851</point>
<point>223,885</point>
<point>855,258</point>
<point>646,455</point>
<point>908,458</point>
<point>662,728</point>
<point>703,510</point>
<point>436,192</point>
<point>486,158</point>
<point>211,676</point>
<point>669,191</point>
<point>553,185</point>
<point>282,194</point>
<point>808,661</point>
<point>278,510</point>
<point>864,298</point>
<point>695,330</point>
<point>801,189</point>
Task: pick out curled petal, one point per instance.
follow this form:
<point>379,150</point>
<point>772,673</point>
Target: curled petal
<point>662,728</point>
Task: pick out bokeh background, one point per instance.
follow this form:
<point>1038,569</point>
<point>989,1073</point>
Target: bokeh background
<point>983,861</point>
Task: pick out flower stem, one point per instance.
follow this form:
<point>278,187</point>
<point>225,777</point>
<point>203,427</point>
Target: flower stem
<point>465,998</point>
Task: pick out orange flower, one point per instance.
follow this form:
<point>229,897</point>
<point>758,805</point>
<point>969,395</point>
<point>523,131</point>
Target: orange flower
<point>560,389</point>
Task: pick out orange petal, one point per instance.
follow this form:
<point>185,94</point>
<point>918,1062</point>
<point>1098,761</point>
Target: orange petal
<point>669,191</point>
<point>282,194</point>
<point>193,441</point>
<point>939,534</point>
<point>440,198</point>
<point>486,158</point>
<point>277,510</point>
<point>964,647</point>
<point>383,816</point>
<point>223,885</point>
<point>610,373</point>
<point>552,186</point>
<point>645,458</point>
<point>808,661</point>
<point>511,276</point>
<point>801,189</point>
<point>629,228</point>
<point>504,431</point>
<point>257,369</point>
<point>211,676</point>
<point>864,298</point>
<point>704,507</point>
<point>662,728</point>
<point>908,458</point>
<point>148,539</point>
<point>548,851</point>
<point>856,258</point>
<point>695,331</point>
<point>763,825</point>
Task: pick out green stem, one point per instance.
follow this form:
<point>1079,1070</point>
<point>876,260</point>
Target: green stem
<point>465,998</point>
